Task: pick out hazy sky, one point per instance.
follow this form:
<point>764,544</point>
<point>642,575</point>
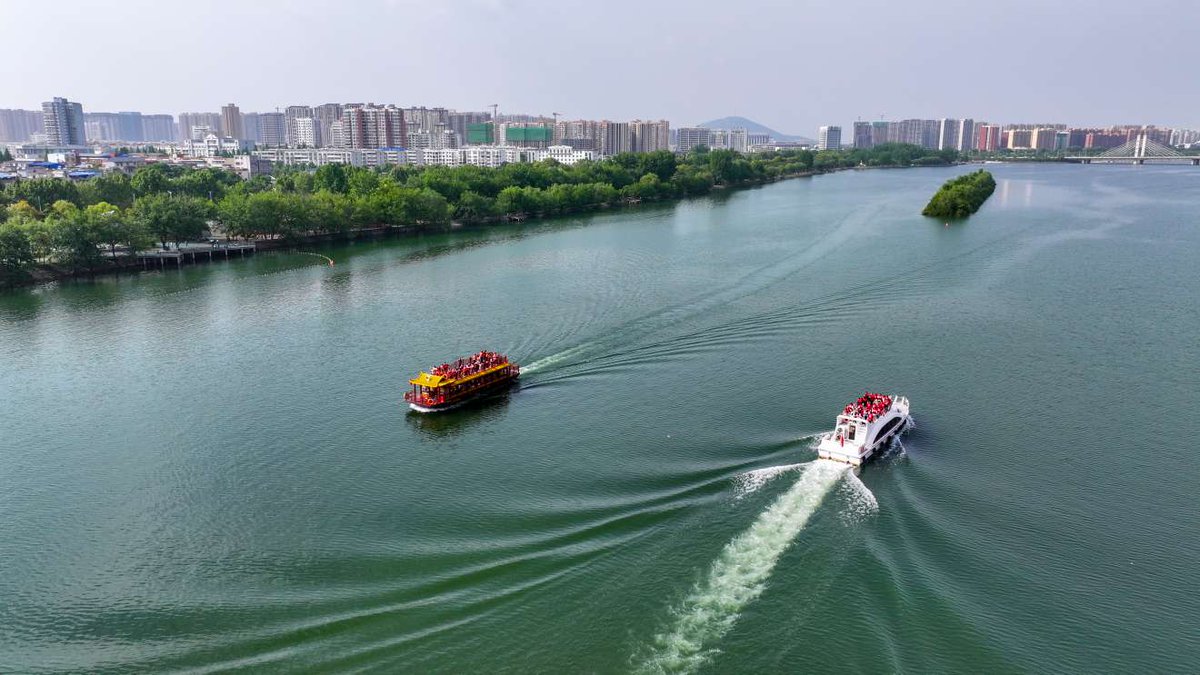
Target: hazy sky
<point>790,65</point>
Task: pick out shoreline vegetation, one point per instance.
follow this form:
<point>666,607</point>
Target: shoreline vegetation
<point>960,197</point>
<point>53,228</point>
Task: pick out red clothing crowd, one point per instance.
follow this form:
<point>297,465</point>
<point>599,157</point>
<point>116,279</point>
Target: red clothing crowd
<point>469,366</point>
<point>869,406</point>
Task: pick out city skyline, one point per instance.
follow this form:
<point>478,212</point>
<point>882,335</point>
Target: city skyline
<point>765,63</point>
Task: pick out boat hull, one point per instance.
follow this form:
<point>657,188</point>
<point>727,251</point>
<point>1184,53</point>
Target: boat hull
<point>878,434</point>
<point>470,398</point>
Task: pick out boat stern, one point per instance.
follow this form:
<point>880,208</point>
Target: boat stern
<point>832,448</point>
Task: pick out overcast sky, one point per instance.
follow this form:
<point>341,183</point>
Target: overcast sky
<point>790,65</point>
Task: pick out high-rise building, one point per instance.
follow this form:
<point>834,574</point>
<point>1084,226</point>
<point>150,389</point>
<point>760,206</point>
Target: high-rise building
<point>989,138</point>
<point>291,114</point>
<point>966,135</point>
<point>62,122</point>
<point>911,132</point>
<point>425,119</point>
<point>651,136</point>
<point>527,134</point>
<point>272,129</point>
<point>862,135</point>
<point>129,127</point>
<point>19,125</point>
<point>250,126</point>
<point>738,140</point>
<point>829,138</point>
<point>615,137</point>
<point>481,133</point>
<point>879,133</point>
<point>690,138</point>
<point>308,132</point>
<point>1043,138</point>
<point>188,120</point>
<point>1076,138</point>
<point>372,126</point>
<point>158,128</point>
<point>1018,139</point>
<point>1103,140</point>
<point>326,114</point>
<point>459,121</point>
<point>947,134</point>
<point>231,122</point>
<point>101,126</point>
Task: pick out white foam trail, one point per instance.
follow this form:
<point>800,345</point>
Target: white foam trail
<point>738,575</point>
<point>553,359</point>
<point>860,500</point>
<point>749,482</point>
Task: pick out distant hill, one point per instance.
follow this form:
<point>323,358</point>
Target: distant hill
<point>751,127</point>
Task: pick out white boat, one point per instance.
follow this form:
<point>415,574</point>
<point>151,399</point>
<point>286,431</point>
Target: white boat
<point>864,428</point>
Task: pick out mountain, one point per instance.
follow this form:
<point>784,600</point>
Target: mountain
<point>751,127</point>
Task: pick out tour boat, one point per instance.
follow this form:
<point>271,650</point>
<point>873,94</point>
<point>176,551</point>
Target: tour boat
<point>864,428</point>
<point>453,384</point>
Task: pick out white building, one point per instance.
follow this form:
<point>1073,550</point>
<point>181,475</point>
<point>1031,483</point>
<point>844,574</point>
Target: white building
<point>829,138</point>
<point>321,156</point>
<point>563,154</point>
<point>438,139</point>
<point>213,146</point>
<point>307,132</point>
<point>738,140</point>
<point>473,155</point>
<point>693,137</point>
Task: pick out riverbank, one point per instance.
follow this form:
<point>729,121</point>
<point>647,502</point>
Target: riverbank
<point>43,273</point>
<point>88,230</point>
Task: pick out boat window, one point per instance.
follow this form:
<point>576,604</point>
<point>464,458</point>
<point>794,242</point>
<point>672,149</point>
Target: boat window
<point>888,427</point>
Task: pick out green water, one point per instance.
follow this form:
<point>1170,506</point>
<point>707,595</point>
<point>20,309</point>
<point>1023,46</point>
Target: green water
<point>209,469</point>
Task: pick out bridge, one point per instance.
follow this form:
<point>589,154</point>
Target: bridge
<point>1139,151</point>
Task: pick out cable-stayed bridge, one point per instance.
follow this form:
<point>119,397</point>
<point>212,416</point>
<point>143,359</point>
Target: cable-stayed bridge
<point>1140,150</point>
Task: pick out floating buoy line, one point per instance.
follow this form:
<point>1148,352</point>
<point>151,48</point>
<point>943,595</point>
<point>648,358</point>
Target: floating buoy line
<point>325,257</point>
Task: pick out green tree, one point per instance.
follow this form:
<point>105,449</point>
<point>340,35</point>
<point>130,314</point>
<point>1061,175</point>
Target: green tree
<point>172,218</point>
<point>44,192</point>
<point>116,228</point>
<point>16,253</point>
<point>361,182</point>
<point>474,206</point>
<point>75,239</point>
<point>151,180</point>
<point>331,177</point>
<point>114,188</point>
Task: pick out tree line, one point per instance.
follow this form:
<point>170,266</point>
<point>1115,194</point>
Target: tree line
<point>84,225</point>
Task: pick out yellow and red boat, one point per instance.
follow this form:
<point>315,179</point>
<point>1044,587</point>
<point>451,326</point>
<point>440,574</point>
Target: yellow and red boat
<point>453,384</point>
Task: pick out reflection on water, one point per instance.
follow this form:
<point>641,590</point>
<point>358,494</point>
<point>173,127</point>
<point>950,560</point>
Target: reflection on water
<point>454,422</point>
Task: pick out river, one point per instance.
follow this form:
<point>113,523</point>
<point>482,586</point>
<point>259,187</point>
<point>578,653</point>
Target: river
<point>210,469</point>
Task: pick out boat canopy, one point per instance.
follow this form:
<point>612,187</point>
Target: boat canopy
<point>427,380</point>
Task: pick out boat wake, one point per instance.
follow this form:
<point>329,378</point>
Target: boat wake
<point>860,501</point>
<point>748,483</point>
<point>738,575</point>
<point>554,359</point>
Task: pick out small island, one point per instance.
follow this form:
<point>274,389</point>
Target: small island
<point>960,197</point>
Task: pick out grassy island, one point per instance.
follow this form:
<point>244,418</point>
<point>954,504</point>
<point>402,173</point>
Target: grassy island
<point>962,196</point>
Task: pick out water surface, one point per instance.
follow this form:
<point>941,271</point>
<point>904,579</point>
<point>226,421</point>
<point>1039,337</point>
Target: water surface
<point>209,469</point>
